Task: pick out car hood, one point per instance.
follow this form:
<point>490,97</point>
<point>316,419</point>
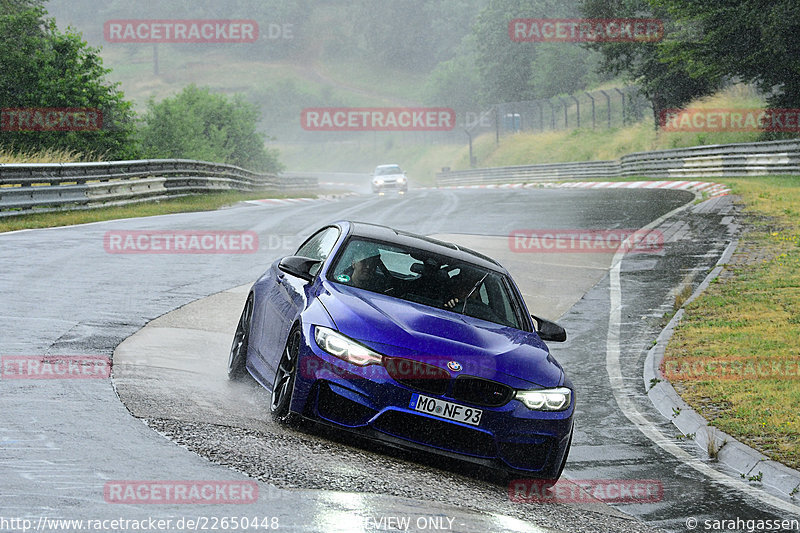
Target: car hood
<point>389,176</point>
<point>398,328</point>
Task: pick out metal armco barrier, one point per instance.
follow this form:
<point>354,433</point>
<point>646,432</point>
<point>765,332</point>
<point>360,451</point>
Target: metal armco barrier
<point>714,161</point>
<point>52,186</point>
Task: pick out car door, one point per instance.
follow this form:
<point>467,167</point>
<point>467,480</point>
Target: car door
<point>286,295</point>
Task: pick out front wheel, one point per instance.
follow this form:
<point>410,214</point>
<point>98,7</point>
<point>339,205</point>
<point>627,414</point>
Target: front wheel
<point>237,360</point>
<point>283,385</point>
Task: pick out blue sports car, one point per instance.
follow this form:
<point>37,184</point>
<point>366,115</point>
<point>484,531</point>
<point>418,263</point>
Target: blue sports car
<point>412,341</point>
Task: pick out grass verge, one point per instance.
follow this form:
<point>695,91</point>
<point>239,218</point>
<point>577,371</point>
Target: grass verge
<point>185,204</point>
<point>735,356</point>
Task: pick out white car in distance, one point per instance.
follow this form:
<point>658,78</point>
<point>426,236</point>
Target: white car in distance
<point>388,177</point>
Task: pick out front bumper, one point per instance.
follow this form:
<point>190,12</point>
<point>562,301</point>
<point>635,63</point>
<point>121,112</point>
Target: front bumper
<point>390,185</point>
<point>369,402</point>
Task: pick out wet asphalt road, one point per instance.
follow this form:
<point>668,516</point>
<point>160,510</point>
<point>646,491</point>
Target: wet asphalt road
<point>62,294</point>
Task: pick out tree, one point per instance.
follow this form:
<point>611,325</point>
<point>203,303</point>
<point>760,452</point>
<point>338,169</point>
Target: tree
<point>44,68</point>
<point>456,83</point>
<point>15,6</point>
<point>667,84</point>
<point>563,68</point>
<point>513,71</point>
<point>196,124</point>
<point>755,41</point>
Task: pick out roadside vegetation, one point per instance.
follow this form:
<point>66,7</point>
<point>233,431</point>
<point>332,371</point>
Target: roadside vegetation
<point>184,204</point>
<point>43,156</point>
<point>45,68</point>
<point>750,319</point>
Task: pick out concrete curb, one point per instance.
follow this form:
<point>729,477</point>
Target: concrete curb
<point>749,463</point>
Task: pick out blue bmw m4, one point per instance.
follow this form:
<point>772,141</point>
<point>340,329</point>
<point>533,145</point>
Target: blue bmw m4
<point>412,341</point>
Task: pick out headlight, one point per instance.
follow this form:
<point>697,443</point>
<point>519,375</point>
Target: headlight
<point>344,348</point>
<point>556,399</point>
<point>378,181</point>
<point>401,179</point>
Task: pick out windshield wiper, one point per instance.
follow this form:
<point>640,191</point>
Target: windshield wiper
<point>464,307</point>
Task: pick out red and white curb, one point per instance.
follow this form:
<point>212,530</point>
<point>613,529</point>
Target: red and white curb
<point>281,201</point>
<point>296,201</point>
<point>712,189</point>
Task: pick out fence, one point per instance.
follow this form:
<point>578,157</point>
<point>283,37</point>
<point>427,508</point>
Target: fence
<point>714,161</point>
<point>46,187</point>
<point>601,108</point>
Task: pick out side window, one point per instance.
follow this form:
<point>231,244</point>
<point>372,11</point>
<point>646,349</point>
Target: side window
<point>319,245</point>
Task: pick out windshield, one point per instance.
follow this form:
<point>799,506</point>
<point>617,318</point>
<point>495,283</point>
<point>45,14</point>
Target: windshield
<point>425,278</point>
<point>385,171</point>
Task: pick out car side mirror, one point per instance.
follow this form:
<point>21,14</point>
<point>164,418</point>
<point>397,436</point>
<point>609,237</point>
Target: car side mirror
<point>549,331</point>
<point>304,268</point>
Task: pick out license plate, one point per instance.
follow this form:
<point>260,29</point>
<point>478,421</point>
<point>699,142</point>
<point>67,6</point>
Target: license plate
<point>444,409</point>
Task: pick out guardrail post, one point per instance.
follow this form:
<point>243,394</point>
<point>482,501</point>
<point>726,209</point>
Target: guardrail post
<point>622,95</point>
<point>594,122</point>
<point>566,121</point>
<point>541,114</point>
<point>496,129</point>
<point>578,109</point>
<point>608,106</point>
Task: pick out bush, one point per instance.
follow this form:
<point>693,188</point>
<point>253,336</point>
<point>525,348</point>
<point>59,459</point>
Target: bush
<point>45,68</point>
<point>196,124</point>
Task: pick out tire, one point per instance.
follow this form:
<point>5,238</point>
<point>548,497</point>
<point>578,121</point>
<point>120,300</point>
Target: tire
<point>283,386</point>
<point>237,360</point>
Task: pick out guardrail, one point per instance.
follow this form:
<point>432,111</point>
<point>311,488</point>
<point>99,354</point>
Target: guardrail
<point>52,186</point>
<point>714,161</point>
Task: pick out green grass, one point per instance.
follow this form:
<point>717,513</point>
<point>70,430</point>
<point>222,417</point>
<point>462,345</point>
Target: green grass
<point>751,314</point>
<point>185,204</point>
<point>44,156</point>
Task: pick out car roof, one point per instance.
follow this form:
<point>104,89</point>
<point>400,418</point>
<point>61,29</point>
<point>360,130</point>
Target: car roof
<point>413,240</point>
<point>386,166</point>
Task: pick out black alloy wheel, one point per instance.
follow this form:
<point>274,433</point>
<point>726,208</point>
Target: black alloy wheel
<point>238,355</point>
<point>283,386</point>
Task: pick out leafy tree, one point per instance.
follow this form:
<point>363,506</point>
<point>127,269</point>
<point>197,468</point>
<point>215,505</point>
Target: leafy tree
<point>564,68</point>
<point>456,83</point>
<point>16,6</point>
<point>513,71</point>
<point>667,84</point>
<point>196,124</point>
<point>755,41</point>
<point>44,68</point>
<point>505,66</point>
